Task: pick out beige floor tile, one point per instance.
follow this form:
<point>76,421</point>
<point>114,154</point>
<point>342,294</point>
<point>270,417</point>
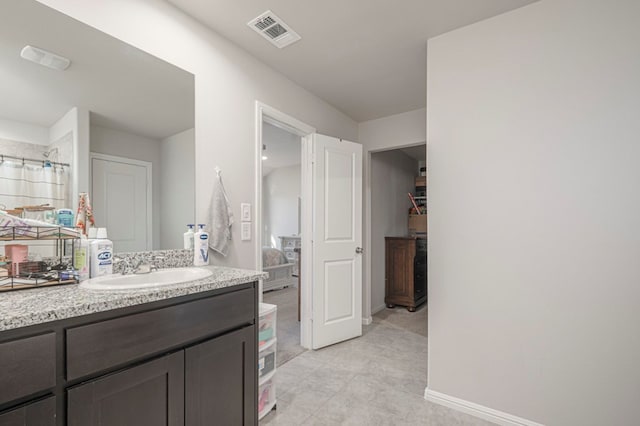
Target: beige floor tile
<point>377,379</point>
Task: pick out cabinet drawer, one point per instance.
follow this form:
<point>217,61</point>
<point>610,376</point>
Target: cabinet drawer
<point>100,346</point>
<point>39,413</point>
<point>27,366</point>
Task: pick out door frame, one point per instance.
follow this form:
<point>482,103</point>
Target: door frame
<point>149,168</point>
<point>268,114</point>
<point>368,311</point>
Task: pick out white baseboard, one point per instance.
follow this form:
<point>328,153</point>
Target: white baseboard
<point>367,321</point>
<point>378,309</point>
<point>477,410</point>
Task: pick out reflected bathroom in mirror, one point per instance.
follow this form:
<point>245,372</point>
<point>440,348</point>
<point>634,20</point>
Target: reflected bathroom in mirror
<point>117,123</point>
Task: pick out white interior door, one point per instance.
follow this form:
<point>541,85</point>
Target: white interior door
<point>337,238</point>
<point>121,196</point>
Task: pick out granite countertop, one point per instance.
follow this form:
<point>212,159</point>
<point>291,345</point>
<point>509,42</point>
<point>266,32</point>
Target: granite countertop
<point>35,306</point>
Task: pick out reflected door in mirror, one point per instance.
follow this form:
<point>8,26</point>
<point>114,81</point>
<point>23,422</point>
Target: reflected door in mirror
<point>122,195</point>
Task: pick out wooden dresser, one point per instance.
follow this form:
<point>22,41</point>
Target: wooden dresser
<point>405,272</point>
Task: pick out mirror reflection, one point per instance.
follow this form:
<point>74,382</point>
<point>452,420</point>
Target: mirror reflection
<point>81,111</point>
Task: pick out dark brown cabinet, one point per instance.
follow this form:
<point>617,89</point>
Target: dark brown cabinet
<point>217,384</point>
<point>38,413</point>
<point>405,272</point>
<point>187,360</point>
<point>150,394</point>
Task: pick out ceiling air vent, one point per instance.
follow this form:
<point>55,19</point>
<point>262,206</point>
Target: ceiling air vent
<point>269,26</point>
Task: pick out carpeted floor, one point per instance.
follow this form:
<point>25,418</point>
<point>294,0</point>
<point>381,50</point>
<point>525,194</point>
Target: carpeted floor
<point>288,326</point>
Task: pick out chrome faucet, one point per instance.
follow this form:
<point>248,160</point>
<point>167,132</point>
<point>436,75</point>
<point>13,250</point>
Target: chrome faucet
<point>146,268</point>
<point>140,267</point>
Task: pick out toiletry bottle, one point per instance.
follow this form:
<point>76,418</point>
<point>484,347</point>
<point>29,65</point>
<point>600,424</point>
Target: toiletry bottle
<point>201,247</point>
<point>188,237</point>
<point>81,258</point>
<point>65,217</point>
<point>92,234</point>
<point>101,254</point>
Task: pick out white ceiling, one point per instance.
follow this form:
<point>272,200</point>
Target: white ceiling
<point>365,57</point>
<point>124,87</point>
<point>283,149</point>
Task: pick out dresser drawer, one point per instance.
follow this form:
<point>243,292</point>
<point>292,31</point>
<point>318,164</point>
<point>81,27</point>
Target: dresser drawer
<point>27,366</point>
<point>100,346</point>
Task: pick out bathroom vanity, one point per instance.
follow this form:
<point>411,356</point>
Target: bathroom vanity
<point>178,355</point>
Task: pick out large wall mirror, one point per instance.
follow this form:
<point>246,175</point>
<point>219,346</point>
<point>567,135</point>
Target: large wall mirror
<point>117,123</point>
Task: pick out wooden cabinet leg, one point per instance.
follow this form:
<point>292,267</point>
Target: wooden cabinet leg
<point>411,308</point>
<point>390,305</point>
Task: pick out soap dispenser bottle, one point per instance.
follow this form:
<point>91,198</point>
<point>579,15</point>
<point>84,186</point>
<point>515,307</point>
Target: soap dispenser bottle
<point>188,237</point>
<point>201,247</point>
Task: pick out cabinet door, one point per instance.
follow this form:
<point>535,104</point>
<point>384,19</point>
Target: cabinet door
<point>150,394</point>
<point>39,413</point>
<point>399,270</point>
<point>221,380</point>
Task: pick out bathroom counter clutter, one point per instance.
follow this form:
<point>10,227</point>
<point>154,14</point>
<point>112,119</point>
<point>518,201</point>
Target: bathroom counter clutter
<point>37,306</point>
<point>172,355</point>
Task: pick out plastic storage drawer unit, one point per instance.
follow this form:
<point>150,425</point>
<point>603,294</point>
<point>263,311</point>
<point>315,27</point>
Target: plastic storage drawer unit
<point>267,321</point>
<point>267,359</point>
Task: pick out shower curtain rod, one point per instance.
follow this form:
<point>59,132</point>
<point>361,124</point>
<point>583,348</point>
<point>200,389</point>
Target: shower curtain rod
<point>32,160</point>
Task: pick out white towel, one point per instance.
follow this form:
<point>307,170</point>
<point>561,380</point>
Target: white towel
<point>220,218</point>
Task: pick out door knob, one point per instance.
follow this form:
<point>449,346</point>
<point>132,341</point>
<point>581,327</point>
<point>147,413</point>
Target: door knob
<point>359,250</point>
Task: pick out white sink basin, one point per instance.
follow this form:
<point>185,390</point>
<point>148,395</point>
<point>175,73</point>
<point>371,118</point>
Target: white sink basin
<point>159,278</point>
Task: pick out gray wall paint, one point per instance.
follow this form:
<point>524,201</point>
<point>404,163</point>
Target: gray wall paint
<point>396,131</point>
<point>392,176</point>
<point>127,145</point>
<point>177,200</point>
<point>534,205</point>
<point>280,192</point>
<point>228,82</point>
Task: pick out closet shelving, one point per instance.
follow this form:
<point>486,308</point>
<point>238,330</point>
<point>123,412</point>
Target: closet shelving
<point>32,274</point>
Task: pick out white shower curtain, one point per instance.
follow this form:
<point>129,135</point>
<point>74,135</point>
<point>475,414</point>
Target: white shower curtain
<point>29,185</point>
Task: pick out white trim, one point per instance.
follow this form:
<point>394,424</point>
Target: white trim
<point>366,289</point>
<point>306,277</point>
<point>367,320</point>
<point>149,167</point>
<point>378,309</point>
<point>266,113</point>
<point>477,410</point>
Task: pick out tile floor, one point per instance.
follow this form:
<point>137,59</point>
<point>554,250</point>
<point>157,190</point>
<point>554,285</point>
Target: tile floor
<point>377,379</point>
<point>287,326</point>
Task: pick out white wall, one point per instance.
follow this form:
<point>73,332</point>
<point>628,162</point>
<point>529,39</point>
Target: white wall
<point>392,177</point>
<point>177,173</point>
<point>228,82</point>
<point>534,207</point>
<point>23,132</point>
<point>128,145</point>
<point>76,123</point>
<point>280,192</point>
<point>395,131</point>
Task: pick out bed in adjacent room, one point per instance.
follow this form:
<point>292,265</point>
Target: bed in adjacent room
<point>279,268</point>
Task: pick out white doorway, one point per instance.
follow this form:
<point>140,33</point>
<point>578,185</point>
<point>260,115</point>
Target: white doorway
<point>121,189</point>
<point>330,225</point>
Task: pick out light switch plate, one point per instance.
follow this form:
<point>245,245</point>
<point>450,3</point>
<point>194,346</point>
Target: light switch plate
<point>245,212</point>
<point>245,231</point>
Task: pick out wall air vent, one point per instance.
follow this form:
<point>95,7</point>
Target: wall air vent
<point>269,26</point>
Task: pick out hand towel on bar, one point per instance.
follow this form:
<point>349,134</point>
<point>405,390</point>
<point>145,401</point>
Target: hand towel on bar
<point>84,217</point>
<point>220,217</point>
